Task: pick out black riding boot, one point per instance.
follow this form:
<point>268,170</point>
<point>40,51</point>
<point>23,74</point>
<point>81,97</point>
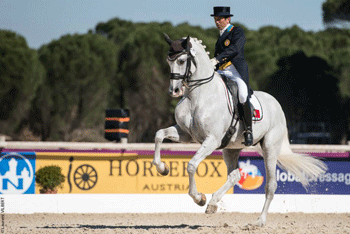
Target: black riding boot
<point>247,120</point>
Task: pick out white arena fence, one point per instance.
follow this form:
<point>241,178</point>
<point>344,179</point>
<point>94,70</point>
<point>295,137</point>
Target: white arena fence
<point>168,203</point>
<point>149,146</point>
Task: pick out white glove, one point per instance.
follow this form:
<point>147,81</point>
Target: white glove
<point>214,62</point>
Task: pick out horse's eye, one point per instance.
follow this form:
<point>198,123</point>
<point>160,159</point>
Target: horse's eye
<point>181,62</point>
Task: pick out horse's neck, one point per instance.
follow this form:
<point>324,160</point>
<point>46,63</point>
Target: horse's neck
<point>204,71</point>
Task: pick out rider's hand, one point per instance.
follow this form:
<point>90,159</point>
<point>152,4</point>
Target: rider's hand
<point>214,62</point>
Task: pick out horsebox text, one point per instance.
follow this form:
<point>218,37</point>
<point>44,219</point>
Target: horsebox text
<point>176,168</point>
<point>149,180</point>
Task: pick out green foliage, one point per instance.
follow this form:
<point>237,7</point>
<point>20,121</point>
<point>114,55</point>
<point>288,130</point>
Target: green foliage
<point>21,75</point>
<point>308,90</point>
<point>80,69</point>
<point>49,177</point>
<point>335,10</point>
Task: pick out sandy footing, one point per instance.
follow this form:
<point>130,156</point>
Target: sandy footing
<point>174,223</point>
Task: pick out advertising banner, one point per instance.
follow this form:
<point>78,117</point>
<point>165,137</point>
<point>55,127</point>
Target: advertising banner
<point>119,171</point>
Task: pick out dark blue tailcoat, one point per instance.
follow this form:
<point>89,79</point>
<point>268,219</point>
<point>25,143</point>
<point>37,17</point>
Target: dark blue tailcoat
<point>230,47</point>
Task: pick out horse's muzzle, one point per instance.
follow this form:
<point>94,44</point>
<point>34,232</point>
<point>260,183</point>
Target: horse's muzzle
<point>176,91</point>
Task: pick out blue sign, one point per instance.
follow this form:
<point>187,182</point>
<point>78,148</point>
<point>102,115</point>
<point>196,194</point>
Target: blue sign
<point>336,180</point>
<point>17,173</point>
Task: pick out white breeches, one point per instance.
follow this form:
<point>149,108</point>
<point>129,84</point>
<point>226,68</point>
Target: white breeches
<point>232,73</point>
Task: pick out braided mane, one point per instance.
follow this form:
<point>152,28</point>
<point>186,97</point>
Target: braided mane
<point>200,42</point>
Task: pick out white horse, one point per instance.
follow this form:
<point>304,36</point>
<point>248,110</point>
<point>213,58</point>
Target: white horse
<point>202,115</point>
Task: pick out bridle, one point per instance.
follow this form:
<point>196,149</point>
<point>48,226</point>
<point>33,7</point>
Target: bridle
<point>186,77</point>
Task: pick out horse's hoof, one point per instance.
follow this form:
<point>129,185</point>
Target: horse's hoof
<point>253,226</point>
<point>165,171</point>
<point>211,209</point>
<point>202,201</point>
<point>260,222</point>
<point>249,227</point>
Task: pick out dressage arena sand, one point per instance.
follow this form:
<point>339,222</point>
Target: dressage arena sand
<point>174,223</point>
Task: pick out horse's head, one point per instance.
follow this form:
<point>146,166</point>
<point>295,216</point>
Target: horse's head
<point>186,57</point>
<point>180,58</point>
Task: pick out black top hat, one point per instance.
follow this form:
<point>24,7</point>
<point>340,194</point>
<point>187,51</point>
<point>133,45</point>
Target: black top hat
<point>222,11</point>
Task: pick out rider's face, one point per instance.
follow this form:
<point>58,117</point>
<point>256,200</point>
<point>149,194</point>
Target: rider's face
<point>221,22</point>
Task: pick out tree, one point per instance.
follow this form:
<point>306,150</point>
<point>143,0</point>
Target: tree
<point>336,12</point>
<point>307,89</point>
<point>142,75</point>
<point>80,69</point>
<point>21,75</point>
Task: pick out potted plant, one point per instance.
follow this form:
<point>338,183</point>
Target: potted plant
<point>49,178</point>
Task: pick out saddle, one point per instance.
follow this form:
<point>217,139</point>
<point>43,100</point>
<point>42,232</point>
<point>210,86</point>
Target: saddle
<point>232,88</point>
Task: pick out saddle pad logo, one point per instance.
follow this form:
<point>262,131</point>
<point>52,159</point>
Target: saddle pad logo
<point>258,111</point>
<point>256,114</point>
<point>16,174</point>
<point>251,177</point>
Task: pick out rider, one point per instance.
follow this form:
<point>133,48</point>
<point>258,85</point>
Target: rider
<point>229,60</point>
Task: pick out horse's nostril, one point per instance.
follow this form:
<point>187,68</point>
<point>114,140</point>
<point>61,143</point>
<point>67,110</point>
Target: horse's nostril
<point>177,90</point>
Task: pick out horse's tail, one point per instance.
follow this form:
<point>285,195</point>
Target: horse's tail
<point>302,166</point>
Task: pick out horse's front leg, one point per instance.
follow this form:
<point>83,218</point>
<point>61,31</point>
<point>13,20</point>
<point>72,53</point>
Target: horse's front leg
<point>233,176</point>
<point>173,133</point>
<point>207,147</point>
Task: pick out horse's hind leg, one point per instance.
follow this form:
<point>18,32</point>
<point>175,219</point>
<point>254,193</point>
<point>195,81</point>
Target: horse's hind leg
<point>173,133</point>
<point>271,147</point>
<point>233,176</point>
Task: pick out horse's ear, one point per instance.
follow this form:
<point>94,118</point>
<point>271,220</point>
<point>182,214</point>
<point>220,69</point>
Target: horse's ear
<point>167,38</point>
<point>186,42</point>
